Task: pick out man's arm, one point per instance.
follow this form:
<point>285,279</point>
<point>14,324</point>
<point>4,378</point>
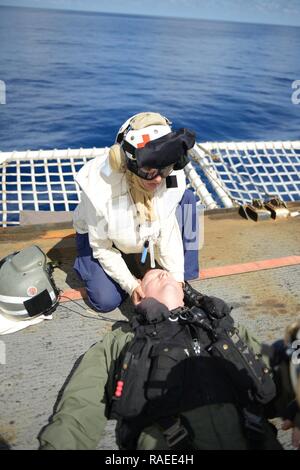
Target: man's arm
<point>284,404</point>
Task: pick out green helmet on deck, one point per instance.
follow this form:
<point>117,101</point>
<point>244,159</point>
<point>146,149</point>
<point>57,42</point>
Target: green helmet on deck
<point>27,288</point>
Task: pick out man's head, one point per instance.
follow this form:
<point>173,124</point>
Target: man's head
<point>162,286</point>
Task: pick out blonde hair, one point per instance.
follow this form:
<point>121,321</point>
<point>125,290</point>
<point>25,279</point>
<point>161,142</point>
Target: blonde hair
<point>117,160</point>
<point>141,197</point>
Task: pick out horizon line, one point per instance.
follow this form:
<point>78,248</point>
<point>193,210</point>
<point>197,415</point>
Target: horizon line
<point>148,16</point>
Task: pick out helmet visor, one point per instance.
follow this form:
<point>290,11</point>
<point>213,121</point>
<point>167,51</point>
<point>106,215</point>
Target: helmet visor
<point>149,173</point>
<point>165,151</point>
<point>162,152</point>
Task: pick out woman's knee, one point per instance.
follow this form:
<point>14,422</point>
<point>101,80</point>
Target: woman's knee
<point>104,300</point>
<point>103,305</point>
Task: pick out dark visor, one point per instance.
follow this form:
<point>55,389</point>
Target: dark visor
<point>149,173</point>
<point>162,152</point>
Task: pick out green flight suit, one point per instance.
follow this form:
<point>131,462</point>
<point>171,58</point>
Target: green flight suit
<point>81,415</point>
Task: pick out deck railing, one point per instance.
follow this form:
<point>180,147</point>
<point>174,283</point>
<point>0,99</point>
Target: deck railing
<point>223,174</point>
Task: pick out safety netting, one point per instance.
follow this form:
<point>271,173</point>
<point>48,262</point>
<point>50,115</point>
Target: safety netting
<point>40,181</point>
<point>227,174</point>
<point>243,171</point>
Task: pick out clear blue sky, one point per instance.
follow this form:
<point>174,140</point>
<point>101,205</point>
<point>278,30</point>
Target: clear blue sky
<point>257,11</point>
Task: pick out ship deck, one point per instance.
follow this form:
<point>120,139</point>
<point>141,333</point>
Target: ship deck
<point>252,265</point>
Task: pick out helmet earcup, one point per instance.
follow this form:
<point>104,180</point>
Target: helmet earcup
<point>117,159</point>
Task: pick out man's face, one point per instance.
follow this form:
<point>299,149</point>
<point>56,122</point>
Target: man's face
<point>161,285</point>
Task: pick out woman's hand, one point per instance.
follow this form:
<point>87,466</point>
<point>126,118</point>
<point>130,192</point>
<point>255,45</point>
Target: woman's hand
<point>137,295</point>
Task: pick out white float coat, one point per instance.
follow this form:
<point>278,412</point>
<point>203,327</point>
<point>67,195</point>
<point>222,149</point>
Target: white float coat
<point>108,214</point>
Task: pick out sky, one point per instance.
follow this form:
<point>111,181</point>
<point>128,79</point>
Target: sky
<point>253,11</point>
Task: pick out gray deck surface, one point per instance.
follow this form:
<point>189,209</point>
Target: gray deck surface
<point>39,358</point>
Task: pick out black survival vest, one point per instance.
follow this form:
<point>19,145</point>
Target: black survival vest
<point>181,360</point>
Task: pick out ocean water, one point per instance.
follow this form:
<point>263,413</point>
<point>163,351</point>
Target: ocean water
<point>73,78</point>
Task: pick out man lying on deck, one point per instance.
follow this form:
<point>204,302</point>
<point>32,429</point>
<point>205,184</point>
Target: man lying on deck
<point>178,376</point>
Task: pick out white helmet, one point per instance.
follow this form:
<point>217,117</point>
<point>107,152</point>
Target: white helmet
<point>149,143</point>
<point>133,129</point>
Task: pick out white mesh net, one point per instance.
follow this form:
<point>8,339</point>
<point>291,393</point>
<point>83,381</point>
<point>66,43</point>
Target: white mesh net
<point>40,181</point>
<point>251,170</point>
<point>229,174</point>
